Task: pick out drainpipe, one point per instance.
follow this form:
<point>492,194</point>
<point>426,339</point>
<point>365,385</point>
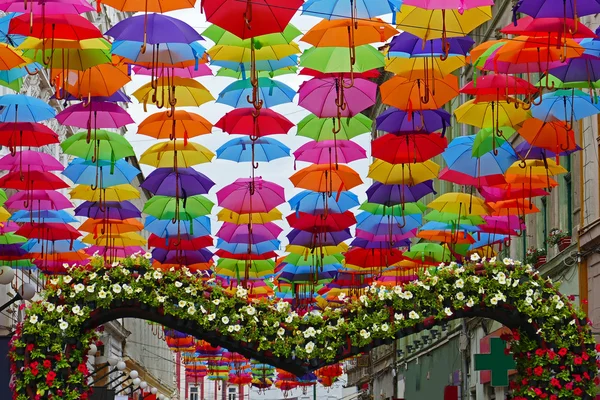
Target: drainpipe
<point>465,365</point>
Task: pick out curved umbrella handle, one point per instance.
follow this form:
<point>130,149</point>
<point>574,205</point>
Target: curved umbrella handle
<point>36,71</point>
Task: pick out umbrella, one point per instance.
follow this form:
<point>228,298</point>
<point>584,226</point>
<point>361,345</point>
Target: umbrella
<point>165,228</point>
<point>184,72</point>
<point>330,151</point>
<point>247,150</point>
<point>419,94</point>
<point>308,239</point>
<point>30,180</point>
<point>95,115</point>
<point>242,121</point>
<point>21,108</point>
<point>169,208</point>
<point>566,105</point>
<point>324,178</point>
<point>395,120</point>
<point>249,196</point>
<point>233,233</point>
<point>252,19</point>
<point>162,58</point>
<point>102,195</point>
<point>461,204</point>
<point>335,59</point>
<point>553,136</point>
<point>31,161</point>
<point>179,125</point>
<point>257,218</point>
<point>242,248</point>
<point>409,45</point>
<point>115,240</point>
<point>459,157</point>
<point>558,8</point>
<point>117,226</point>
<point>555,26</point>
<point>177,154</point>
<point>390,195</point>
<point>180,92</point>
<point>320,129</point>
<point>100,80</point>
<point>106,146</point>
<point>270,92</point>
<point>186,242</point>
<point>333,222</point>
<point>492,114</point>
<point>67,54</point>
<point>54,26</point>
<point>319,203</point>
<point>362,9</point>
<point>38,200</point>
<point>255,269</point>
<point>412,148</point>
<point>403,174</point>
<point>11,58</point>
<point>48,231</point>
<point>429,253</point>
<point>180,182</point>
<point>26,134</point>
<point>81,171</point>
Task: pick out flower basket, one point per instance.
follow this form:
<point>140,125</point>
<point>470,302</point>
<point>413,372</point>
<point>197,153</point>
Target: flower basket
<point>540,261</point>
<point>564,243</point>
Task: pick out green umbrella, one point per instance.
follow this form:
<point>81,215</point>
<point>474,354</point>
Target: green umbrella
<point>320,129</point>
<point>487,140</point>
<point>104,145</point>
<point>336,59</point>
<point>453,218</point>
<point>397,210</point>
<point>429,252</point>
<point>229,73</point>
<point>11,238</point>
<point>15,85</point>
<point>3,197</point>
<point>300,261</point>
<point>222,37</point>
<point>164,207</point>
<point>237,268</point>
<point>558,84</point>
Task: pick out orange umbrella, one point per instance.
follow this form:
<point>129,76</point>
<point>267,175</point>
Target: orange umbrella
<point>348,32</point>
<point>513,207</point>
<point>325,178</point>
<point>419,94</point>
<point>526,49</point>
<point>115,226</point>
<point>528,182</point>
<point>179,125</point>
<point>554,136</point>
<point>446,237</point>
<point>100,80</point>
<point>71,256</point>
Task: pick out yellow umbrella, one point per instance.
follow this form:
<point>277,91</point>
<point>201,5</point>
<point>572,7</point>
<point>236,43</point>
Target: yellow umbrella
<point>493,114</point>
<point>176,153</point>
<point>439,23</point>
<point>403,174</point>
<point>4,215</point>
<point>121,240</point>
<point>434,65</point>
<point>536,167</point>
<point>173,91</point>
<point>113,193</point>
<point>240,54</point>
<point>325,250</point>
<point>242,219</point>
<point>462,204</point>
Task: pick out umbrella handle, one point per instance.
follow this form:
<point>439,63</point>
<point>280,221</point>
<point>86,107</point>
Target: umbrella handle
<point>548,86</point>
<point>523,164</point>
<point>36,71</point>
<point>446,50</point>
<point>248,14</point>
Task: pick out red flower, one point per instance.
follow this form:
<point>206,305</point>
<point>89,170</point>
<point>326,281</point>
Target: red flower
<point>83,369</point>
<point>525,381</point>
<point>538,391</point>
<point>555,382</point>
<point>551,354</point>
<point>540,352</point>
<point>585,356</point>
<point>50,378</point>
<point>562,352</point>
<point>598,347</point>
<point>569,386</point>
<point>516,335</point>
<point>577,377</point>
<point>586,376</point>
<point>34,371</point>
<point>577,392</point>
<point>538,371</point>
<point>553,397</point>
<point>577,360</point>
<point>30,347</point>
<point>47,363</point>
<point>34,365</point>
<point>57,357</point>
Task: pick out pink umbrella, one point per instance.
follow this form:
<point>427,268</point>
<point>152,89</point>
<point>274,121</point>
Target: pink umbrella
<point>233,233</point>
<point>503,67</point>
<point>330,151</point>
<point>247,195</point>
<point>502,224</point>
<point>95,115</point>
<point>187,72</point>
<point>383,238</point>
<point>114,252</point>
<point>8,227</point>
<point>30,160</point>
<point>48,7</point>
<point>38,200</point>
<point>448,4</point>
<point>327,97</point>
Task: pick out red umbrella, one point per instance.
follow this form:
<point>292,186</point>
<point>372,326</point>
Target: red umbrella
<point>26,134</point>
<point>59,26</point>
<point>333,222</point>
<point>408,148</point>
<point>498,86</point>
<point>245,256</point>
<point>186,243</point>
<point>242,121</point>
<point>372,74</point>
<point>250,18</point>
<point>543,27</point>
<point>30,180</point>
<point>373,258</point>
<point>459,178</point>
<point>48,231</point>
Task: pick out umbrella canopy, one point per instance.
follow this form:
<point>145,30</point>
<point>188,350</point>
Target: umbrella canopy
<point>395,120</point>
<point>153,29</point>
<point>31,161</point>
<point>233,233</point>
<point>334,33</point>
<point>241,121</point>
<point>114,193</point>
<point>403,174</point>
<point>461,204</point>
<point>104,145</point>
<point>320,129</point>
<point>321,96</point>
<point>398,149</point>
<point>240,150</point>
<point>81,171</point>
<point>325,178</point>
<point>390,195</point>
<point>180,182</point>
<point>26,134</point>
<point>38,200</point>
<point>169,208</point>
<point>330,151</point>
<point>248,196</point>
<point>178,125</point>
<point>21,108</point>
<point>311,202</point>
<point>335,59</point>
<point>336,9</point>
<point>271,92</point>
<point>176,153</point>
<point>442,22</point>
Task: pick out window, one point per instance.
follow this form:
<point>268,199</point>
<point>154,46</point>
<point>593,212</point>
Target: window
<point>194,393</point>
<point>544,222</point>
<point>568,193</point>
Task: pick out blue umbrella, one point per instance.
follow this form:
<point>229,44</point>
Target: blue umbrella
<point>166,228</point>
<point>311,202</point>
<point>566,105</point>
<point>387,224</point>
<point>5,37</point>
<point>459,157</point>
<point>242,248</point>
<point>442,226</point>
<point>22,108</point>
<point>86,172</point>
<point>240,150</point>
<point>170,53</point>
<point>338,9</point>
<point>374,244</point>
<point>272,92</point>
<point>486,239</point>
<point>261,65</point>
<point>48,216</point>
<point>53,247</point>
<point>308,273</point>
<point>11,75</point>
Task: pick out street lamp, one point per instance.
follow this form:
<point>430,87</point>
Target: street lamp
<point>25,292</point>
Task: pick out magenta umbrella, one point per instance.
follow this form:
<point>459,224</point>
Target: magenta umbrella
<point>95,115</point>
<point>257,233</point>
<point>48,7</point>
<point>38,200</point>
<point>8,227</point>
<point>30,160</point>
<point>247,195</point>
<point>330,151</point>
<point>114,252</point>
<point>448,4</point>
<point>187,72</point>
<point>327,97</point>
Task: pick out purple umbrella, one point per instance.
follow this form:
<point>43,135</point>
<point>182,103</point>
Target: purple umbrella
<point>12,250</point>
<point>391,195</point>
<point>319,96</point>
<point>371,244</point>
<point>330,151</point>
<point>156,29</point>
<point>187,72</point>
<point>361,234</point>
<point>312,240</point>
<point>185,257</point>
<point>233,233</point>
<point>525,150</point>
<point>578,70</point>
<point>95,115</point>
<point>109,210</point>
<point>556,8</point>
<point>395,120</point>
<point>413,46</point>
<point>181,183</point>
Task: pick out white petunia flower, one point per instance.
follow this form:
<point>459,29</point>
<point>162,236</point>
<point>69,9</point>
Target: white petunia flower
<point>309,332</point>
<point>225,320</point>
<point>475,279</point>
<point>501,278</point>
<point>211,317</point>
<point>460,296</point>
<point>385,327</point>
<point>191,310</point>
<point>33,319</point>
<point>494,300</point>
<point>289,319</point>
<point>237,327</point>
<point>408,295</point>
<point>470,303</point>
<point>280,331</point>
<point>76,309</point>
<point>91,288</point>
<point>413,315</point>
<point>148,255</point>
<point>67,279</point>
<point>182,303</point>
<point>448,311</point>
<point>178,284</point>
<point>528,300</point>
<point>161,299</point>
<point>230,329</point>
<point>365,334</point>
<point>342,296</point>
<point>116,288</point>
<point>282,306</point>
<point>50,307</point>
<point>63,325</point>
<point>398,317</point>
<point>475,257</point>
<point>157,274</point>
<point>216,302</point>
<point>241,293</point>
<point>507,261</point>
<point>80,287</point>
<point>398,290</point>
<point>459,284</point>
<point>60,308</point>
<point>560,304</point>
<point>309,347</point>
<point>250,310</point>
